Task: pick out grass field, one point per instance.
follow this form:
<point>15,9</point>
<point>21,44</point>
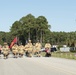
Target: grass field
<point>67,55</point>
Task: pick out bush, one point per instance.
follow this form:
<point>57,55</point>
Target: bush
<point>72,49</point>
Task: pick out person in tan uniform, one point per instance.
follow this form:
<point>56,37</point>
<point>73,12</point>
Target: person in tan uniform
<point>26,48</point>
<point>47,49</point>
<point>34,49</point>
<point>21,50</point>
<point>38,48</point>
<point>6,50</point>
<point>15,50</point>
<point>29,49</point>
<point>0,49</point>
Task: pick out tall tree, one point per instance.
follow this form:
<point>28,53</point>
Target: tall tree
<point>28,23</point>
<point>42,26</point>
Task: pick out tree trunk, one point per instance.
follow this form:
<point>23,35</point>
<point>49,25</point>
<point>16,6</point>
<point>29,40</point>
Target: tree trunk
<point>41,37</point>
<point>36,35</point>
<point>29,34</point>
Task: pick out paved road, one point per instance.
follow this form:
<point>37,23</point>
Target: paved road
<point>37,66</point>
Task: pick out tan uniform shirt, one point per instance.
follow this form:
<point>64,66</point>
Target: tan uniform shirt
<point>5,49</point>
<point>15,49</point>
<point>38,46</point>
<point>21,49</point>
<point>30,47</point>
<point>48,45</point>
<point>26,47</point>
<point>34,49</point>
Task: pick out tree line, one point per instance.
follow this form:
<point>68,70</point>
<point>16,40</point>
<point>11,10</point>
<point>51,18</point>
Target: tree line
<point>30,27</point>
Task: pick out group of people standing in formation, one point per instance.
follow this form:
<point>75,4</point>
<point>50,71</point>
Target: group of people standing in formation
<point>29,50</point>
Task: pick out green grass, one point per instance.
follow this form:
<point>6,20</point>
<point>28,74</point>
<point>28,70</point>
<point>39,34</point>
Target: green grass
<point>43,54</point>
<point>67,55</point>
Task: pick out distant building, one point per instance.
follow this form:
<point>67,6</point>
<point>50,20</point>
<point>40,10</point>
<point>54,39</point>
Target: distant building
<point>65,49</point>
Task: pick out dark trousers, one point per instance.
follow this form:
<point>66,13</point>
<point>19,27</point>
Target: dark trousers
<point>0,52</point>
<point>48,54</point>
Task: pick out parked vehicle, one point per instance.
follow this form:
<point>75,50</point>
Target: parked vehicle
<point>51,50</point>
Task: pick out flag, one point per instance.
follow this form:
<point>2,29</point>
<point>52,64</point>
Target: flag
<point>13,42</point>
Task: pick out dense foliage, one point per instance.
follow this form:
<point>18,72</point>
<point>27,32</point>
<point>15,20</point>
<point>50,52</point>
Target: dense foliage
<point>29,27</point>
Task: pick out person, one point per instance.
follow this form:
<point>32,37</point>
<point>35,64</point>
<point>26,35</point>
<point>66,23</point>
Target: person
<point>34,49</point>
<point>29,49</point>
<point>21,50</point>
<point>47,49</point>
<point>26,49</point>
<point>6,50</point>
<point>15,50</point>
<point>38,48</point>
<point>0,49</point>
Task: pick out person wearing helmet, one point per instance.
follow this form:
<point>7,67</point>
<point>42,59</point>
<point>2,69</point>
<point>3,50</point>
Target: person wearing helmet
<point>0,49</point>
<point>15,50</point>
<point>47,49</point>
<point>21,50</point>
<point>6,50</point>
<point>30,48</point>
<point>38,48</point>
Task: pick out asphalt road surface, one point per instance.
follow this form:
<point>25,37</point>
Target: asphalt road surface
<point>37,66</point>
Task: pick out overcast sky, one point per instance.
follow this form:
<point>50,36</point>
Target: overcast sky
<point>61,14</point>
